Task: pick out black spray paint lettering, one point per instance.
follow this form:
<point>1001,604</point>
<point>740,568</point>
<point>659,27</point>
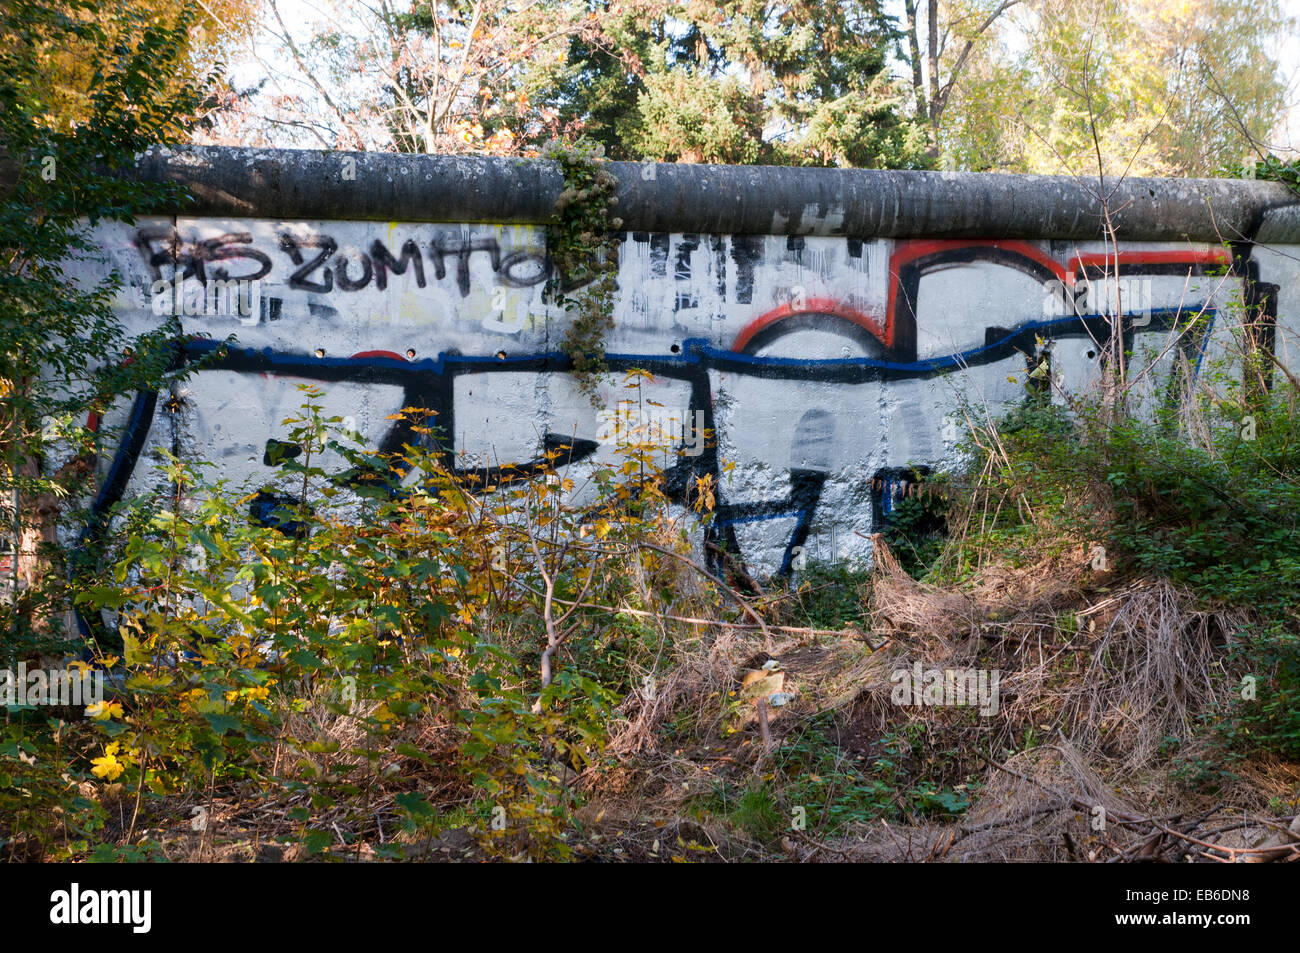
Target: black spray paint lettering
<point>161,246</point>
<point>332,266</point>
<point>523,269</point>
<point>746,252</point>
<point>189,259</point>
<point>519,269</point>
<point>292,246</point>
<point>341,271</point>
<point>385,262</point>
<point>462,248</point>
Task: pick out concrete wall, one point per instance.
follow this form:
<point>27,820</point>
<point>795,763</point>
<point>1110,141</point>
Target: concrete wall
<point>824,341</point>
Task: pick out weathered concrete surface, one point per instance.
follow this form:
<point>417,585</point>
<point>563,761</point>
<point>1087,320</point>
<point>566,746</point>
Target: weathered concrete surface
<point>751,200</point>
<point>824,328</point>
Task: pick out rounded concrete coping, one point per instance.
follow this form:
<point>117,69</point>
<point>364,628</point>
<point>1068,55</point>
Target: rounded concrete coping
<point>712,199</point>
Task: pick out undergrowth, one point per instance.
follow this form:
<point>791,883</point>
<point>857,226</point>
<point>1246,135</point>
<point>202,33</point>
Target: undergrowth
<point>393,661</point>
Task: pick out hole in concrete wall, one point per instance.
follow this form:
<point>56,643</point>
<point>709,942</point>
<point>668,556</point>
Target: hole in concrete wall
<point>410,353</point>
<point>676,349</point>
<point>320,352</point>
<point>1091,355</point>
<point>501,355</point>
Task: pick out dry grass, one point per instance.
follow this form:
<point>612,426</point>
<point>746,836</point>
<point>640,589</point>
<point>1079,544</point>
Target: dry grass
<point>1095,678</point>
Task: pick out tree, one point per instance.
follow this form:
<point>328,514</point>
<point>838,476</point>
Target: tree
<point>447,76</point>
<point>966,25</point>
<point>62,346</point>
<point>1168,89</point>
<point>675,80</point>
<point>686,116</point>
<point>204,33</point>
<point>802,83</point>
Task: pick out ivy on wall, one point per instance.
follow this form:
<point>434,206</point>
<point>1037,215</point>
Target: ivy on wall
<point>583,244</point>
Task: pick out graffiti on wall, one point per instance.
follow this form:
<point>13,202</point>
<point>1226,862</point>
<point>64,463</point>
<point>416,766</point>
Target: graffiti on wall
<point>818,364</point>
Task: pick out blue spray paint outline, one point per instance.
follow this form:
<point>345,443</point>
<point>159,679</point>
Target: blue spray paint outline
<point>698,358</point>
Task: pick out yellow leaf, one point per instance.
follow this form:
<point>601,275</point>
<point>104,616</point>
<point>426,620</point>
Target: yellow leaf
<point>103,711</point>
<point>108,767</point>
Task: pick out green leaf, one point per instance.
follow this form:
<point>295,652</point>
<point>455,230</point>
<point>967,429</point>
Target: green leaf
<point>317,842</point>
<point>222,724</point>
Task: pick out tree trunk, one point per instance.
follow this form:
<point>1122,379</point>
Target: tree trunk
<point>932,45</point>
<point>914,48</point>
